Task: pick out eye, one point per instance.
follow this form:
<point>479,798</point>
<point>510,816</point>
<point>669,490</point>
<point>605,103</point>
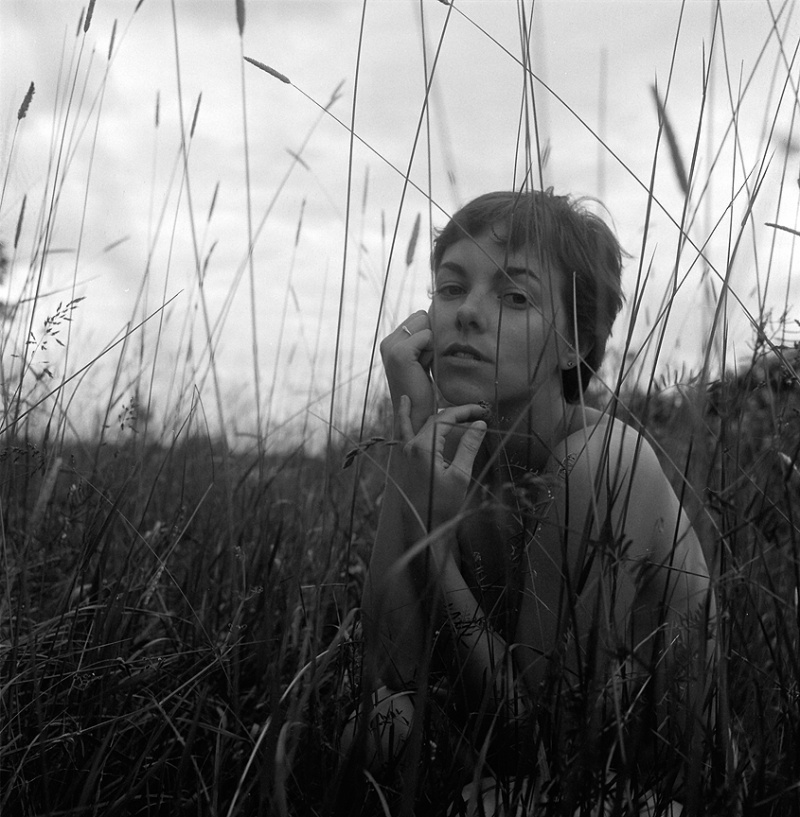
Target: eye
<point>448,290</point>
<point>516,299</point>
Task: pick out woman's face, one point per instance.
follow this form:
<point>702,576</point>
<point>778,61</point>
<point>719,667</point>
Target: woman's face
<point>499,325</point>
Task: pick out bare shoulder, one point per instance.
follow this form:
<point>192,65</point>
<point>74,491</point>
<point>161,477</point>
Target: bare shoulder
<point>613,474</point>
<point>607,452</point>
<point>610,497</point>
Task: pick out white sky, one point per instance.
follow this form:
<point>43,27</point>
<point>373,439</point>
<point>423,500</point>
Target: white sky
<point>117,170</point>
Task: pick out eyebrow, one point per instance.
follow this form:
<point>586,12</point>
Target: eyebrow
<point>518,272</point>
<point>451,266</point>
<point>508,272</point>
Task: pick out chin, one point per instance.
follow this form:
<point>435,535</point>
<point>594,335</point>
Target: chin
<point>459,394</point>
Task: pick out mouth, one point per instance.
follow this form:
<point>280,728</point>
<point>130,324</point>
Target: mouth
<point>461,351</point>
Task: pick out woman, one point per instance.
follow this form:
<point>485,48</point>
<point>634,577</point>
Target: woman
<point>529,548</point>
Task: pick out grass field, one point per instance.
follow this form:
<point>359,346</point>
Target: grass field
<point>179,611</point>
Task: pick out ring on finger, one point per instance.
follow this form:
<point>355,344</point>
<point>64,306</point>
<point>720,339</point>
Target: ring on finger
<point>406,329</point>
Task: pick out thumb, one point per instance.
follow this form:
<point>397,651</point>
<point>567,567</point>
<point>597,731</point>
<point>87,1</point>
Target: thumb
<point>468,446</point>
<point>422,344</point>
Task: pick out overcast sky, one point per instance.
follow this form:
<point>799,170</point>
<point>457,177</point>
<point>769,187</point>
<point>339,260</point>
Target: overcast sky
<point>92,127</point>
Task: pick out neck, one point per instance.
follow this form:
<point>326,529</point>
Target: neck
<point>527,438</point>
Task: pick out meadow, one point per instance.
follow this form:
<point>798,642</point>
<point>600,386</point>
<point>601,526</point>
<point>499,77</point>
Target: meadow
<point>179,623</point>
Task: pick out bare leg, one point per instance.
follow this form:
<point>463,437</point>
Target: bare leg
<point>388,728</point>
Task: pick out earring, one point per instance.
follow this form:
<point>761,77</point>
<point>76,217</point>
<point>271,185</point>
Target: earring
<point>570,364</point>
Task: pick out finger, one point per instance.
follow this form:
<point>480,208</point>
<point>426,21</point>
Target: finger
<point>453,415</point>
<point>426,356</point>
<point>437,427</point>
<point>429,438</point>
<point>468,447</point>
<point>413,323</point>
<point>421,341</point>
<point>439,436</point>
<point>404,427</point>
<point>401,345</point>
<point>416,321</point>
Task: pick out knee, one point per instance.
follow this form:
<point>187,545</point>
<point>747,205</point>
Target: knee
<point>381,731</point>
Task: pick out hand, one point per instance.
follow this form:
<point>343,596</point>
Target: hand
<point>434,488</point>
<point>407,356</point>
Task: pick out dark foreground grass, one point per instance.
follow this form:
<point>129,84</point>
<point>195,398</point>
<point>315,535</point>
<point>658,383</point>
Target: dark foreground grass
<point>179,636</point>
<point>162,627</point>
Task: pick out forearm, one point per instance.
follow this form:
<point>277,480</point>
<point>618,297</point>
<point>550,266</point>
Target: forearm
<point>482,662</point>
<point>668,717</point>
<point>422,506</point>
<point>392,603</point>
<point>408,596</point>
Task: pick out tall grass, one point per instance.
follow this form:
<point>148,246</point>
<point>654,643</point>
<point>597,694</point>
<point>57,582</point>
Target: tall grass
<point>179,628</point>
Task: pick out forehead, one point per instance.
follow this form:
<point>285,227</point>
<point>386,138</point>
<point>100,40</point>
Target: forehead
<point>490,252</point>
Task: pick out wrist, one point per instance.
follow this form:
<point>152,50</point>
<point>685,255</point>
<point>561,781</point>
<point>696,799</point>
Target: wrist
<point>437,562</point>
<point>448,568</point>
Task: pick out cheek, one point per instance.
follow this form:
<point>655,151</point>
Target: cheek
<point>527,340</point>
<point>436,318</point>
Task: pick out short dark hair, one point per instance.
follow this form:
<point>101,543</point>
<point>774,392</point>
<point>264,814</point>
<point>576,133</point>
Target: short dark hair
<point>567,235</point>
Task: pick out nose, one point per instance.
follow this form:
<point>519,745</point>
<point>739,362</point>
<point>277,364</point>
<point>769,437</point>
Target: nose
<point>472,312</point>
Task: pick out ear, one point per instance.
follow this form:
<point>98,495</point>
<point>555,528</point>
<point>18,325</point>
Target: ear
<point>569,357</point>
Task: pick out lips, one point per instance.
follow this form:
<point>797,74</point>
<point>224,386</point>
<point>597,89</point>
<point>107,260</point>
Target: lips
<point>462,351</point>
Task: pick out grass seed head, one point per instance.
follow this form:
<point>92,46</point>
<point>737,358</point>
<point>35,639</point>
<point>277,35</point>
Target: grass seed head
<point>196,112</point>
<point>111,43</point>
<point>23,109</point>
<point>21,216</point>
<point>276,74</point>
<point>412,242</point>
<point>88,21</point>
<point>240,16</point>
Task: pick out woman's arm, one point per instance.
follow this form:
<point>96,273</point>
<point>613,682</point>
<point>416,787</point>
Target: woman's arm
<point>406,598</point>
<point>424,493</point>
<point>663,558</point>
<point>663,612</point>
<point>673,617</point>
<point>482,663</point>
<point>391,610</point>
<point>616,584</point>
<point>391,606</point>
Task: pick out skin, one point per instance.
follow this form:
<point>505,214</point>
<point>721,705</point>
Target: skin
<point>496,335</point>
